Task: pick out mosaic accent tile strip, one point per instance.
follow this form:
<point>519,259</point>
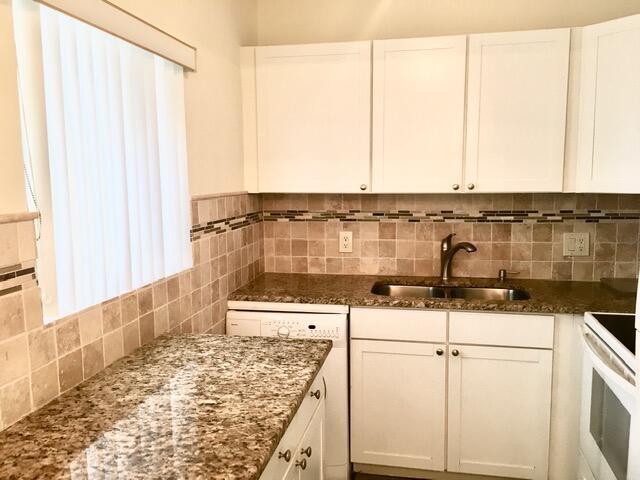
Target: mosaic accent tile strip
<point>14,278</point>
<point>224,225</point>
<point>484,216</point>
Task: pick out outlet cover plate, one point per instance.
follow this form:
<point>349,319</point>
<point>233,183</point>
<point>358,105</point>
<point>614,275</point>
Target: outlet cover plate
<point>575,244</point>
<point>346,242</point>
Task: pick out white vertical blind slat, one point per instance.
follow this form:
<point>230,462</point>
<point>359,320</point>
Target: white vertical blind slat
<point>117,153</point>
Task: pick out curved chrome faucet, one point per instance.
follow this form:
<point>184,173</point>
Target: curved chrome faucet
<point>447,251</point>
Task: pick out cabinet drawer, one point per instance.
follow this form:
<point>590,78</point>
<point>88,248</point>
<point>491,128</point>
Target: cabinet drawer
<point>277,467</point>
<point>510,330</point>
<point>398,324</point>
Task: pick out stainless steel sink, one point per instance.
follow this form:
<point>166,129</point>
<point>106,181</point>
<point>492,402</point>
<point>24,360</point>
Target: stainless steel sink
<point>469,293</point>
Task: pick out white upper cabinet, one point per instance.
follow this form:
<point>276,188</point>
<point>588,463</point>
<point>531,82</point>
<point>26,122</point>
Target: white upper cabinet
<point>418,114</point>
<point>313,117</point>
<point>609,113</point>
<point>516,111</point>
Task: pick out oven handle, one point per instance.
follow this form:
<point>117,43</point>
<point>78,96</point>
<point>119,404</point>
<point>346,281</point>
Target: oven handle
<point>608,367</point>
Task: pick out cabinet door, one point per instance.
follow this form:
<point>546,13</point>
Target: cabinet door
<point>313,116</point>
<point>311,448</point>
<point>499,411</point>
<point>516,111</point>
<point>418,114</point>
<point>397,404</point>
<point>609,118</point>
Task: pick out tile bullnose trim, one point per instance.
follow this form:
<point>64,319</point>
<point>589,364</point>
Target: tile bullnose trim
<point>207,196</point>
<point>18,217</point>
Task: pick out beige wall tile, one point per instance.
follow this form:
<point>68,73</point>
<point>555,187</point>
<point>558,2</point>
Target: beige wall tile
<point>90,322</point>
<point>92,358</point>
<point>111,316</point>
<point>42,347</point>
<point>11,315</point>
<point>161,319</point>
<point>131,337</point>
<point>387,248</point>
<point>317,265</point>
<point>173,288</point>
<point>113,346</point>
<point>129,307</point>
<point>9,253</point>
<point>14,359</point>
<point>32,302</point>
<point>160,294</point>
<point>44,384</point>
<point>15,401</point>
<point>26,241</point>
<point>147,328</point>
<point>561,271</point>
<point>145,300</point>
<point>582,271</point>
<point>67,335</point>
<point>626,252</point>
<point>70,370</point>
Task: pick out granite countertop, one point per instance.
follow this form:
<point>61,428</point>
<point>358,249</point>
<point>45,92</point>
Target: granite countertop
<point>355,290</point>
<point>186,406</point>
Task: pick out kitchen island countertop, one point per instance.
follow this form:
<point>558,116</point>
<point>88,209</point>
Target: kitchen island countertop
<point>184,406</point>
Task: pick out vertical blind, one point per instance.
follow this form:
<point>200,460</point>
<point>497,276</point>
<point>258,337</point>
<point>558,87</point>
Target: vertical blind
<point>119,196</point>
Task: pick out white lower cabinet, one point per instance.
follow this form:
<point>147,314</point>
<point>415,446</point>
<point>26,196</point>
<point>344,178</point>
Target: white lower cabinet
<point>499,411</point>
<point>397,398</point>
<point>310,461</point>
<point>450,405</point>
<point>300,453</point>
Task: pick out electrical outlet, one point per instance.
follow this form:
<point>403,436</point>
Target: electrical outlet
<point>575,245</point>
<point>346,242</point>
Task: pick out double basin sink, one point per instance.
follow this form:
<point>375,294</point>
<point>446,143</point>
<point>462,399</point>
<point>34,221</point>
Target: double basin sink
<point>445,291</point>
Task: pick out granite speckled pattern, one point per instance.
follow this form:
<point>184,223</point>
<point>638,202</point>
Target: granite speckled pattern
<point>186,406</point>
<point>547,296</point>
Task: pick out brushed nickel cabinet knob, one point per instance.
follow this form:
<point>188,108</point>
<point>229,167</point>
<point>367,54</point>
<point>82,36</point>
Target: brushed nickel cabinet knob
<point>286,455</point>
<point>456,186</point>
<point>363,187</point>
<point>471,186</point>
<point>316,394</point>
<point>302,463</point>
<point>455,352</point>
<point>439,352</point>
<point>306,451</point>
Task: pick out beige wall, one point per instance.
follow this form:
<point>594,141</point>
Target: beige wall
<point>12,193</point>
<point>214,113</point>
<point>305,21</point>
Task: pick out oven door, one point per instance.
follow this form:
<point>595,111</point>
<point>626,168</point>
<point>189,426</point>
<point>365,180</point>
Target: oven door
<point>608,406</point>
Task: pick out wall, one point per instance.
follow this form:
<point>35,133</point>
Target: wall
<point>39,363</point>
<point>401,234</point>
<point>308,21</point>
<point>12,194</point>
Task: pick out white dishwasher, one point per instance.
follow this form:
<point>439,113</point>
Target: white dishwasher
<point>296,320</point>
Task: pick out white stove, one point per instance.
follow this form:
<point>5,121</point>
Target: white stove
<point>608,427</point>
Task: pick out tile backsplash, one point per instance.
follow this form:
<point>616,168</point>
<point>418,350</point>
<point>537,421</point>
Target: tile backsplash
<point>235,237</point>
<point>39,362</point>
<point>400,234</point>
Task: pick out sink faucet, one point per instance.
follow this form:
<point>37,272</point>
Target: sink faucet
<point>447,251</point>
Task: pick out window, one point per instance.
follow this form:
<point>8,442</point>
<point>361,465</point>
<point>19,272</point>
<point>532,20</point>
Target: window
<point>105,143</point>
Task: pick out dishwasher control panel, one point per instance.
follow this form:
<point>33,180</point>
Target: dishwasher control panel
<point>296,329</point>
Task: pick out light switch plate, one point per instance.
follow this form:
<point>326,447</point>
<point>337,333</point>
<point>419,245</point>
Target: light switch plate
<point>575,245</point>
<point>346,242</point>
